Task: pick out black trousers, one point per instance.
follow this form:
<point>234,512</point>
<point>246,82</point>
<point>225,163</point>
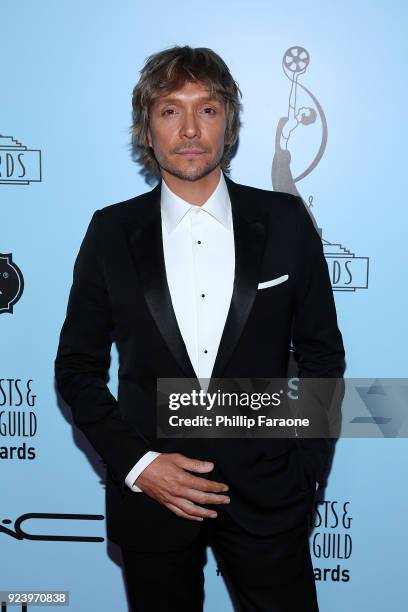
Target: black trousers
<point>262,574</point>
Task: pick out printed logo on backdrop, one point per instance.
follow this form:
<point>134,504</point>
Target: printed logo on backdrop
<point>19,419</point>
<point>306,123</point>
<point>331,542</point>
<point>19,165</point>
<point>50,523</point>
<point>11,283</point>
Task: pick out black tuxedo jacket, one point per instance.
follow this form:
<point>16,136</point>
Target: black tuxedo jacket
<point>120,294</point>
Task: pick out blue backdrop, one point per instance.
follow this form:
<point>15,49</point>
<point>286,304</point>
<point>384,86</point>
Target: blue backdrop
<point>67,73</point>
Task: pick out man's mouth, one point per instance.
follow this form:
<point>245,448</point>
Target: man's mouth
<point>191,152</point>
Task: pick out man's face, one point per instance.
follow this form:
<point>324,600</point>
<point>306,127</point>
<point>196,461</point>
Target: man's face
<point>187,130</point>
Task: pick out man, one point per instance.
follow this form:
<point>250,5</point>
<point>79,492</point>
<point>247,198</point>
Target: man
<point>199,278</point>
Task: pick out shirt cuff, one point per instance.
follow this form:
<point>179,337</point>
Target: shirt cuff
<point>138,468</point>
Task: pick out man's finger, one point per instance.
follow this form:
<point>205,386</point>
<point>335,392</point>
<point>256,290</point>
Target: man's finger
<point>192,509</point>
<point>205,498</point>
<point>202,484</point>
<point>194,465</point>
<point>180,512</point>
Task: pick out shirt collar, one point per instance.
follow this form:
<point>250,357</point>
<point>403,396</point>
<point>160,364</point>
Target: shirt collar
<point>173,208</point>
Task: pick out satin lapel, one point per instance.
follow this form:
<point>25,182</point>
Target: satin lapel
<point>250,228</point>
<point>146,245</point>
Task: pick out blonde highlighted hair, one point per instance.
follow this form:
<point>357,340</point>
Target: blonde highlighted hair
<point>169,70</point>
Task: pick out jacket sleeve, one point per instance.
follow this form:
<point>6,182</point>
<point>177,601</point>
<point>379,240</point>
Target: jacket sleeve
<point>318,345</point>
<point>82,364</point>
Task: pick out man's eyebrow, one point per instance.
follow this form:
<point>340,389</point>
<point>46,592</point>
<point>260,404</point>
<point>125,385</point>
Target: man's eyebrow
<point>176,100</point>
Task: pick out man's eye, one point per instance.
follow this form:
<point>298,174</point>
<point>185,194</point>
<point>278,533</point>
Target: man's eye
<point>209,110</point>
<point>168,111</point>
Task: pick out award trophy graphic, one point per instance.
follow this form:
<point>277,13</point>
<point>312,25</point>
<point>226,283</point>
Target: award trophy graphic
<point>347,271</point>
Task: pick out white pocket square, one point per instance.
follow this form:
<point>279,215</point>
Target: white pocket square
<point>274,281</point>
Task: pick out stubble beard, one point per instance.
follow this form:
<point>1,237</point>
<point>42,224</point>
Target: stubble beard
<point>194,173</point>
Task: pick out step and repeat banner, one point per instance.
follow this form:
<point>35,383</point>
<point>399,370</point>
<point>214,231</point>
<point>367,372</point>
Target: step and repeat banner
<point>324,117</point>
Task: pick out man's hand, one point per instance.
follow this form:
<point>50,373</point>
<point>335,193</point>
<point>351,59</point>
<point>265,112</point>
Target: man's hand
<point>167,481</point>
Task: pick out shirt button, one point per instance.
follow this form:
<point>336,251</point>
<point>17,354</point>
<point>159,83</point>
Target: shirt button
<point>203,295</point>
<point>205,351</point>
<point>198,241</point>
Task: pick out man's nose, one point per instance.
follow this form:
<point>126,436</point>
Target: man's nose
<point>190,127</point>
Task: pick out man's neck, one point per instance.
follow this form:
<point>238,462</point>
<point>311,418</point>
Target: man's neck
<point>194,192</point>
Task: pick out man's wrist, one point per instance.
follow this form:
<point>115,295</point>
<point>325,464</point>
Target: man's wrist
<point>138,468</point>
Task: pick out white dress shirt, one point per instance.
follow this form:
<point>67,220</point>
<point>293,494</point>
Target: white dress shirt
<point>199,254</point>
